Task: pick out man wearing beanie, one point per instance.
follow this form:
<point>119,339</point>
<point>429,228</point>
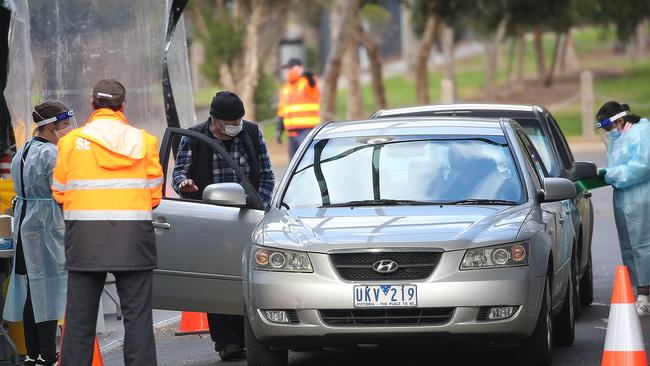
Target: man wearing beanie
<point>197,166</point>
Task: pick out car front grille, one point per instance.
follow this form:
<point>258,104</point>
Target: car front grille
<point>387,317</point>
<point>411,265</point>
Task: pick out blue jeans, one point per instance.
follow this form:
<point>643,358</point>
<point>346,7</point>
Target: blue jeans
<point>294,142</point>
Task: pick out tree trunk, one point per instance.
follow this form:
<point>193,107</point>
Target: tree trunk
<point>571,59</point>
<point>521,62</point>
<point>421,70</point>
<point>274,28</point>
<point>559,37</point>
<point>511,59</point>
<point>376,68</point>
<point>250,73</point>
<point>641,39</point>
<point>197,58</point>
<point>448,45</point>
<point>539,53</point>
<point>341,14</point>
<point>226,78</point>
<point>492,65</point>
<point>351,69</point>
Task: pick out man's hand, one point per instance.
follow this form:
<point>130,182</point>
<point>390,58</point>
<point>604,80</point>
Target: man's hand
<point>188,186</point>
<point>310,78</point>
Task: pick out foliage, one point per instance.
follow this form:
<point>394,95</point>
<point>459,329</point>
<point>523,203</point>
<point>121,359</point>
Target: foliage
<point>265,92</point>
<point>222,42</point>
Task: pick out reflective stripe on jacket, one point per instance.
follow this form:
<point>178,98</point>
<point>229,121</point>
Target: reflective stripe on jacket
<point>108,178</point>
<point>299,105</point>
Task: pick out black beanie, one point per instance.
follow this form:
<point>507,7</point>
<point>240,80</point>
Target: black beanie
<point>227,106</point>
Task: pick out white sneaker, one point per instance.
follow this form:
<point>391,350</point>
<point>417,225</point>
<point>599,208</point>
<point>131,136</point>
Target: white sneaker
<point>643,305</point>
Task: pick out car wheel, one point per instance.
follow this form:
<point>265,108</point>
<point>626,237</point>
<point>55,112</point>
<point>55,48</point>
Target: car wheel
<point>565,323</point>
<point>538,349</point>
<point>259,354</point>
<point>587,285</point>
<point>577,300</point>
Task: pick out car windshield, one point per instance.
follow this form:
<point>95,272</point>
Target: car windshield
<point>389,170</point>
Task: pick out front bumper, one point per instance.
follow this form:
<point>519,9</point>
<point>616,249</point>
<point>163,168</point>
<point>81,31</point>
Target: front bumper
<point>447,287</point>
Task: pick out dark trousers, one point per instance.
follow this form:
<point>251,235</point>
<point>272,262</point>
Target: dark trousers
<point>84,293</point>
<point>40,338</point>
<point>295,141</point>
<point>226,329</point>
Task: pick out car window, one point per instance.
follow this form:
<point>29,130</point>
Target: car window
<point>532,158</point>
<point>563,146</point>
<point>340,170</point>
<point>541,142</point>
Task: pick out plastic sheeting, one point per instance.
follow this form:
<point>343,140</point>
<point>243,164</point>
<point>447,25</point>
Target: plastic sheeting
<point>59,49</point>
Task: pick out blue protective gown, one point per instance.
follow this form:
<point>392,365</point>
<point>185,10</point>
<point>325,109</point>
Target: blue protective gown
<point>628,171</point>
<point>41,230</point>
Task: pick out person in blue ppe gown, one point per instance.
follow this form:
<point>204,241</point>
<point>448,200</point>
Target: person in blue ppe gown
<point>37,289</point>
<point>628,170</point>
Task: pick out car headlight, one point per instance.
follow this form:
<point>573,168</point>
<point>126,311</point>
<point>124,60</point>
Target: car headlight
<point>281,260</point>
<point>499,256</point>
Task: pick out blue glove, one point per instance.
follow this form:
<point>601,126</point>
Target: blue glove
<point>602,172</point>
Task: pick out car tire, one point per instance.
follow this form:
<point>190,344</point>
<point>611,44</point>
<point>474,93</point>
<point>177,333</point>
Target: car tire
<point>258,353</point>
<point>538,348</point>
<point>565,323</point>
<point>587,285</point>
<point>577,287</point>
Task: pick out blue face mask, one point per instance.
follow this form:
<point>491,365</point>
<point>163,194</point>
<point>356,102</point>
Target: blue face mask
<point>613,134</point>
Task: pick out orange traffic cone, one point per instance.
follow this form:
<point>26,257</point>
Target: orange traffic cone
<point>97,353</point>
<point>193,323</point>
<point>624,341</point>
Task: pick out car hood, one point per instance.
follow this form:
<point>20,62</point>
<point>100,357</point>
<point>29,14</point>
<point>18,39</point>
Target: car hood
<point>446,227</point>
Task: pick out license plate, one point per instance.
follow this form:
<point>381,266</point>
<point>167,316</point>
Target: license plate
<point>376,296</point>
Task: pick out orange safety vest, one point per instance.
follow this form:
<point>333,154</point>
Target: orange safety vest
<point>299,105</point>
<point>108,171</point>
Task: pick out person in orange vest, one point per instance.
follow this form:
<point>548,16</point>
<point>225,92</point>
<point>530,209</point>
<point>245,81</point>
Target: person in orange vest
<point>298,105</point>
<point>108,178</point>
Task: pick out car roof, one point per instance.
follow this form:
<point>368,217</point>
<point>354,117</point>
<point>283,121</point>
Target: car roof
<point>500,110</point>
<point>469,126</point>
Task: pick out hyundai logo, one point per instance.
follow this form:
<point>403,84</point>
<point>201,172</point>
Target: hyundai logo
<point>385,266</point>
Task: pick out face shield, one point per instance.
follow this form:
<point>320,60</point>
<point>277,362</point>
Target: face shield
<point>66,122</point>
<point>609,129</point>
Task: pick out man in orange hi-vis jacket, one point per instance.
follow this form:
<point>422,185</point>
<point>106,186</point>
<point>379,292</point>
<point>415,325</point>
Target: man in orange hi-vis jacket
<point>108,178</point>
<point>298,105</point>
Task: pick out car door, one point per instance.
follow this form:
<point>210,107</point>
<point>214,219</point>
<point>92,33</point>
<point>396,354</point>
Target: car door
<point>556,217</point>
<point>200,244</point>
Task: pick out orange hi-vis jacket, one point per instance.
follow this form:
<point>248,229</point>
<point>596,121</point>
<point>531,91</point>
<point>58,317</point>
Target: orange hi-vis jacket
<point>108,178</point>
<point>299,106</point>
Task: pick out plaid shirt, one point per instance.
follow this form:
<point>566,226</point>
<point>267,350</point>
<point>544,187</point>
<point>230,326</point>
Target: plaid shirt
<point>221,171</point>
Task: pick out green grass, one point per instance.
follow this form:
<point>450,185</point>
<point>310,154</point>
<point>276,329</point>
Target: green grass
<point>632,88</point>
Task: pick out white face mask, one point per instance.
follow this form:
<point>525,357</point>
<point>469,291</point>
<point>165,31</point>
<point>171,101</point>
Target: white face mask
<point>230,130</point>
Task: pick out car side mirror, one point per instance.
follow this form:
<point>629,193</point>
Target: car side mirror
<point>225,194</point>
<point>558,189</point>
<point>582,170</point>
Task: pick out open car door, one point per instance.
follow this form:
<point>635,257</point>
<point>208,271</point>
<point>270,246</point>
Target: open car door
<point>199,243</point>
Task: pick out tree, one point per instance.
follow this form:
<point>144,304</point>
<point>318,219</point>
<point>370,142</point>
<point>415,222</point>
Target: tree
<point>424,9</point>
<point>340,19</point>
<point>374,18</point>
<point>352,72</point>
<point>491,17</point>
<point>231,34</point>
